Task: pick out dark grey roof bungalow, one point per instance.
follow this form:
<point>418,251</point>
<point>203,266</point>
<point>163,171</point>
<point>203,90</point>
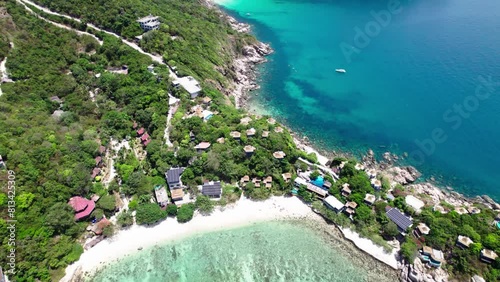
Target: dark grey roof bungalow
<point>212,189</point>
<point>401,220</point>
<point>173,177</point>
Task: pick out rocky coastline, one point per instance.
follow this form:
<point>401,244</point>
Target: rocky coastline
<point>244,64</point>
<point>408,176</point>
<point>244,67</point>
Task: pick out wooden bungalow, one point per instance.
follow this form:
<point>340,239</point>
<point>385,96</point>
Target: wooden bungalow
<point>287,176</point>
<point>464,242</point>
<point>488,256</point>
<point>346,191</point>
<point>251,132</point>
<point>235,134</point>
<point>421,229</point>
<point>350,208</point>
<point>202,146</point>
<point>249,150</point>
<point>279,155</point>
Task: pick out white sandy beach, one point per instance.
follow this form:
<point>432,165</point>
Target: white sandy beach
<point>242,213</point>
<point>370,248</point>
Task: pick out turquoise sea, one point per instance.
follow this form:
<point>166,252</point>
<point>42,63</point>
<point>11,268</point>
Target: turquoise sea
<point>422,78</point>
<point>270,251</point>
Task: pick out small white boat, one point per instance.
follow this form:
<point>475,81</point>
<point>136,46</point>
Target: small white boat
<point>340,70</point>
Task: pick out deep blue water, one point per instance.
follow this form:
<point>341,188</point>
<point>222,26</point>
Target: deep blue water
<point>415,77</point>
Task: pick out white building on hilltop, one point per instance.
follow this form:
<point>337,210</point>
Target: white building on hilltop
<point>191,85</point>
<point>149,23</point>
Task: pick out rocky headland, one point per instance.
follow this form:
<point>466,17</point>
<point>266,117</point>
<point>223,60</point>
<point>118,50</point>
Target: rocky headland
<point>243,68</point>
<point>441,199</point>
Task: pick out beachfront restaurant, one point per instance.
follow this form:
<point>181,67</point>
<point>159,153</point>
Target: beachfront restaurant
<point>310,187</point>
<point>432,256</point>
<point>318,191</point>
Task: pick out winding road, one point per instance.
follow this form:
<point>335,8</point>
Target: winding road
<point>4,75</point>
<point>155,58</point>
<point>134,46</point>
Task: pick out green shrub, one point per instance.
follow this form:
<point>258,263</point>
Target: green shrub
<point>172,210</point>
<point>149,213</point>
<point>132,205</point>
<point>125,219</point>
<point>185,213</point>
<point>204,204</point>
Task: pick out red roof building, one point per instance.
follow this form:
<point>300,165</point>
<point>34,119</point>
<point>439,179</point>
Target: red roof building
<point>145,137</point>
<point>81,206</point>
<point>99,227</point>
<point>95,172</point>
<point>98,160</point>
<point>140,131</point>
<point>102,149</point>
<point>147,142</point>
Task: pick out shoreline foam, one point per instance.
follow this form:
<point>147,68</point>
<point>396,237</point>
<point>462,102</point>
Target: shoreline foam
<point>240,214</point>
<point>243,213</point>
<point>128,241</point>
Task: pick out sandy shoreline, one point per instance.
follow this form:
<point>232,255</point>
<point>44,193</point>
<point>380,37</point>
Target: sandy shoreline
<point>242,213</point>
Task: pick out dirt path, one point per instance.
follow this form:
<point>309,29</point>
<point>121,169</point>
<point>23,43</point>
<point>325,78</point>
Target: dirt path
<point>79,32</point>
<point>133,45</point>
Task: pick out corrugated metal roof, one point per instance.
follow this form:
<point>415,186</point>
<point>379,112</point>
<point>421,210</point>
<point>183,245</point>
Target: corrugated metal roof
<point>399,219</point>
<point>173,175</point>
<point>211,189</point>
<point>333,202</point>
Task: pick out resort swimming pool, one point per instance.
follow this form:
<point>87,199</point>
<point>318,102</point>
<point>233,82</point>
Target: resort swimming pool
<point>319,181</point>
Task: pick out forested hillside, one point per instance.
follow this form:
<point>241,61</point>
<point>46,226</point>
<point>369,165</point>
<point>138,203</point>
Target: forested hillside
<point>192,37</point>
<point>54,156</point>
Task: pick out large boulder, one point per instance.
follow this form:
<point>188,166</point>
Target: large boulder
<point>404,175</point>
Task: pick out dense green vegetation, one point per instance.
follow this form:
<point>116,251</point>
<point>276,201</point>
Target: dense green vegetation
<point>172,210</point>
<point>191,36</point>
<point>185,213</point>
<point>227,162</point>
<point>204,204</point>
<point>53,158</point>
<point>445,229</point>
<point>149,213</point>
<point>371,222</point>
<point>125,219</point>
